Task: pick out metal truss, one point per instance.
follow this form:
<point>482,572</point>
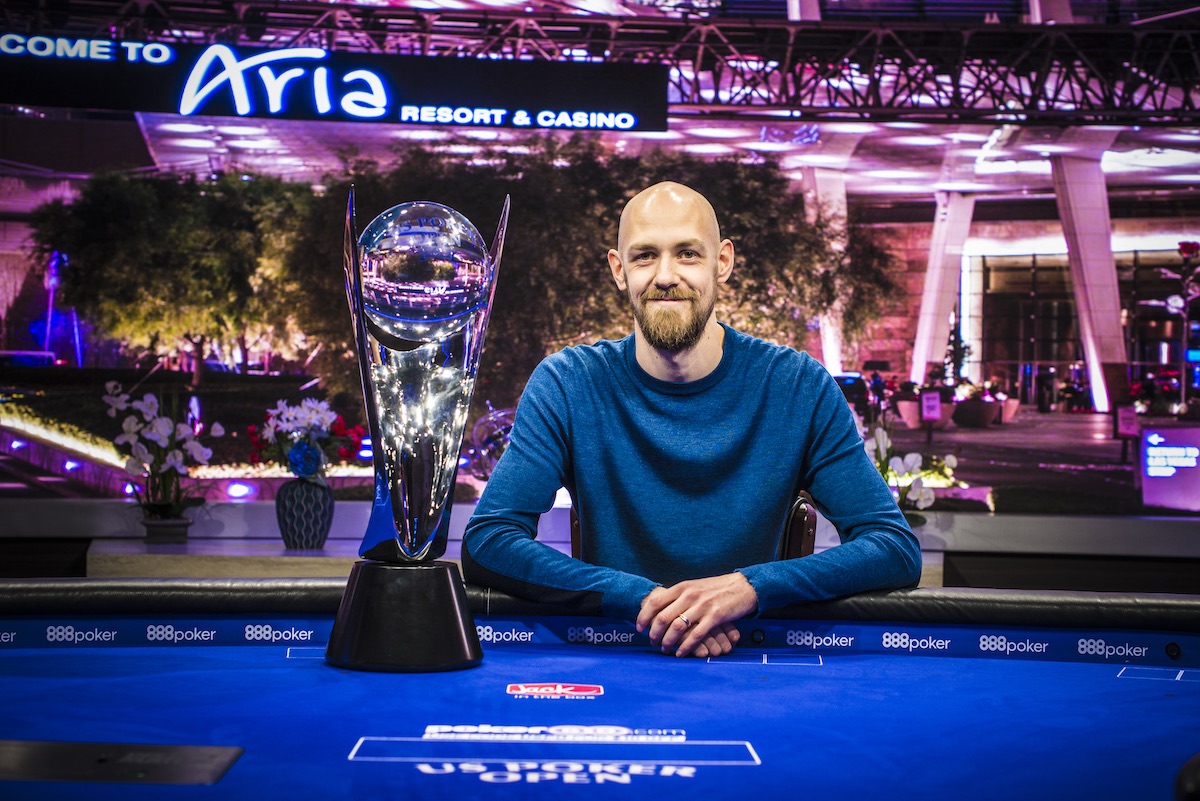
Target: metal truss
<point>722,67</point>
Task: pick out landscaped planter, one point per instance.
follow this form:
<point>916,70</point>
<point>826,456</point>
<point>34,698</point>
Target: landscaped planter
<point>976,413</point>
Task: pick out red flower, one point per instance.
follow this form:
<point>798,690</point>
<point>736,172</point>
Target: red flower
<point>344,452</point>
<point>1189,249</point>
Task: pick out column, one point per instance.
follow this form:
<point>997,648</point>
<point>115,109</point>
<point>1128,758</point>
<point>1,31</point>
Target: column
<point>951,225</point>
<point>1083,208</point>
<point>828,190</point>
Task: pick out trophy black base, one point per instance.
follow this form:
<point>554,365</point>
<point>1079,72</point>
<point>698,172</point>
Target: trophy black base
<point>404,619</point>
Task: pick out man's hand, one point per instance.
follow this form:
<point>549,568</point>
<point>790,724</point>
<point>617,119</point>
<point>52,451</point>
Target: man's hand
<point>697,617</point>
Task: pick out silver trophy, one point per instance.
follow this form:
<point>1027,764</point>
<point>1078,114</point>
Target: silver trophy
<point>420,282</point>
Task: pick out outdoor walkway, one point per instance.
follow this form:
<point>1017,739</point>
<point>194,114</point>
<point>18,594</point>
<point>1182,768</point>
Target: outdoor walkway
<point>1040,462</point>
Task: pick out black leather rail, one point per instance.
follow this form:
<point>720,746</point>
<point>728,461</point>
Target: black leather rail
<point>321,596</point>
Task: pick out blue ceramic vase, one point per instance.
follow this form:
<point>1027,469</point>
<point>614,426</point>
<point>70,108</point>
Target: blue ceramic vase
<point>304,510</point>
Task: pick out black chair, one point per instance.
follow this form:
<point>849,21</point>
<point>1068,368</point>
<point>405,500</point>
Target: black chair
<point>799,530</point>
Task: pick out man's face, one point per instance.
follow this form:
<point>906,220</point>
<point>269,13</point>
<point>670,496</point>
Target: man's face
<point>669,261</point>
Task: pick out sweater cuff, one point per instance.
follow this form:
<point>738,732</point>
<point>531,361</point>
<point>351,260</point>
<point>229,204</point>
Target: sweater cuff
<point>624,601</point>
<point>760,582</point>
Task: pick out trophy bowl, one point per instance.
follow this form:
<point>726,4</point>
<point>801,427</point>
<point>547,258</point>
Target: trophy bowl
<point>419,282</point>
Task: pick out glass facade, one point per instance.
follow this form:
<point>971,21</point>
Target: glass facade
<point>1026,334</point>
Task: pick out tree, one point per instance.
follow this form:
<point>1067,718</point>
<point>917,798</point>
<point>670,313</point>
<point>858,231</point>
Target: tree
<point>555,289</point>
<point>170,263</point>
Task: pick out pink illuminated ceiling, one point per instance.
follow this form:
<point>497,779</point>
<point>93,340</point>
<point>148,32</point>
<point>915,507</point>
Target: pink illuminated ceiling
<point>881,162</point>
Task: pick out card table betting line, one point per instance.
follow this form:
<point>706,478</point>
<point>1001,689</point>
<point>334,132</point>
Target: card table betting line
<point>219,689</point>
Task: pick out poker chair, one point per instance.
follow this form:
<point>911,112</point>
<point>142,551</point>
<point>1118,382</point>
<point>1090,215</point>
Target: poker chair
<point>799,530</point>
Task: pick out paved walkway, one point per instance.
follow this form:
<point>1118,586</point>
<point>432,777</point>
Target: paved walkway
<point>1041,462</point>
<point>1054,463</point>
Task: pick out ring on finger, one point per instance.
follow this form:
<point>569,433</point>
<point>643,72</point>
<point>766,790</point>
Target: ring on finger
<point>687,623</point>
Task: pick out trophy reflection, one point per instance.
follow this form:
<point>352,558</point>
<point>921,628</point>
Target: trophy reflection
<point>420,282</point>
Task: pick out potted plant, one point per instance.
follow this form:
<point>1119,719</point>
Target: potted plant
<point>305,439</point>
<point>158,448</point>
<point>975,408</point>
<point>911,476</point>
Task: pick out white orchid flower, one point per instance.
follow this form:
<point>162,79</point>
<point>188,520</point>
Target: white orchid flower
<point>130,429</point>
<point>174,461</point>
<point>117,400</point>
<point>197,451</point>
<point>159,431</point>
<point>921,496</point>
<point>217,430</point>
<point>951,461</point>
<point>134,468</point>
<point>142,454</point>
<point>184,432</point>
<point>912,463</point>
<point>148,406</point>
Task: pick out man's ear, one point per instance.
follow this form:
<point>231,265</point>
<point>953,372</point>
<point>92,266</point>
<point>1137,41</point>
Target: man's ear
<point>724,261</point>
<point>618,269</point>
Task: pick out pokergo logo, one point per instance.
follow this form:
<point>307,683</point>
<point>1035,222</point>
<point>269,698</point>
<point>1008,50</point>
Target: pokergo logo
<point>592,636</point>
<point>73,635</point>
<point>489,634</point>
<point>1101,648</point>
<point>810,639</point>
<point>265,632</point>
<point>168,633</point>
<point>998,642</point>
<point>903,641</point>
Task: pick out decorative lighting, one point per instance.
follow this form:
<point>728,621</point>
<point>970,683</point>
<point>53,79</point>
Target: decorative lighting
<point>710,149</point>
<point>242,130</point>
<point>240,491</point>
<point>184,127</point>
<point>195,144</point>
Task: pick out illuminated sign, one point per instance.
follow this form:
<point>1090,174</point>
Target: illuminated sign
<point>311,83</point>
<point>1170,458</point>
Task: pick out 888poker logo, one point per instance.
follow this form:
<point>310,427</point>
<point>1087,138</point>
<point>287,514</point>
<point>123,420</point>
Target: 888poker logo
<point>503,633</point>
<point>599,635</point>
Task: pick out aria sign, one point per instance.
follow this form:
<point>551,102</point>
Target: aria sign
<point>310,83</point>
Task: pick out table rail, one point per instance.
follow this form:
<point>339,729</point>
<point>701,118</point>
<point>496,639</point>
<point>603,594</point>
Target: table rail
<point>321,596</point>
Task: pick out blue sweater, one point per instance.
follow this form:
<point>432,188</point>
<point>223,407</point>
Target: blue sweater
<point>684,480</point>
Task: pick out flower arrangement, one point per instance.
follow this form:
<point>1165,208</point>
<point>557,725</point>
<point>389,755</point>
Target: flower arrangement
<point>159,448</point>
<point>305,438</point>
<point>909,476</point>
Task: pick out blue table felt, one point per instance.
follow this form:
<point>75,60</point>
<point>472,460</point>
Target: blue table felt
<point>565,721</point>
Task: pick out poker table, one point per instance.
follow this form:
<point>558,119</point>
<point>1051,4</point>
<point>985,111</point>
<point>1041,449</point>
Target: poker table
<point>217,689</point>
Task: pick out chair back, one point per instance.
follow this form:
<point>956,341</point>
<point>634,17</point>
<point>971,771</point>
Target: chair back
<point>800,529</point>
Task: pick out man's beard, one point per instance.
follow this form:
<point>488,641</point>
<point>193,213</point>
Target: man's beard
<point>669,330</point>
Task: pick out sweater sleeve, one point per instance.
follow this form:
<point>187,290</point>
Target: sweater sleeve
<point>878,549</point>
<point>499,545</point>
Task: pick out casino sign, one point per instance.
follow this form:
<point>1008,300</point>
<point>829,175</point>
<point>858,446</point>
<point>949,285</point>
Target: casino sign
<point>311,83</point>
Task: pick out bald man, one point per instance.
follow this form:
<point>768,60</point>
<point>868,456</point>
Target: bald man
<point>682,446</point>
